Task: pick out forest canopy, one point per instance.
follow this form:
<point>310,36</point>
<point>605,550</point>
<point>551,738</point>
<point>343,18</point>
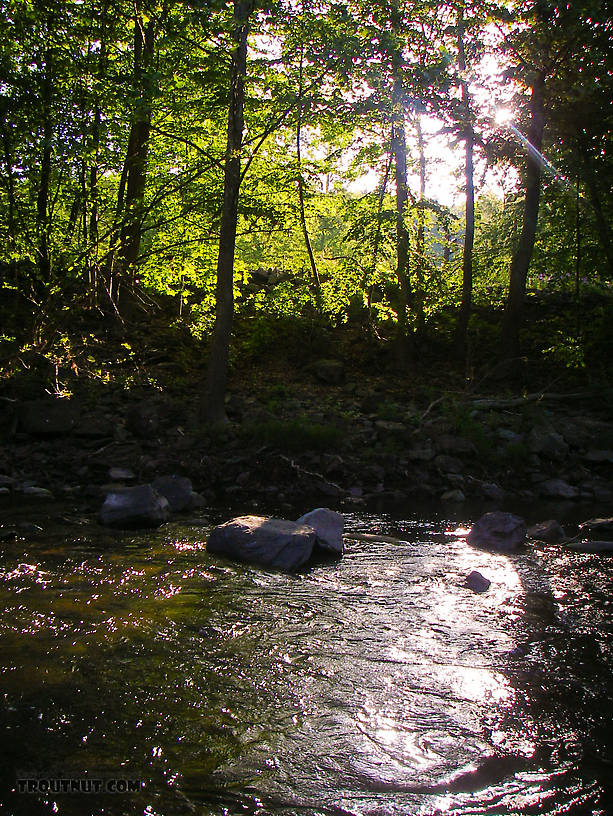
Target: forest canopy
<point>318,161</point>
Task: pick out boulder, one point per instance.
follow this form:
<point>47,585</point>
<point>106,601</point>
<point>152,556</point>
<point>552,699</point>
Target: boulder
<point>328,527</point>
<point>269,542</point>
<point>547,443</point>
<point>176,489</point>
<point>134,507</point>
<point>477,582</point>
<point>558,489</point>
<point>499,531</point>
<point>331,372</point>
<point>550,531</point>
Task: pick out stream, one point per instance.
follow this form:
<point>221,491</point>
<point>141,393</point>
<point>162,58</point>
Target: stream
<point>378,685</point>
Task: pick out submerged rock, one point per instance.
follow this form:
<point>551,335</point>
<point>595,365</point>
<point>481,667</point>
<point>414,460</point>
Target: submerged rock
<point>477,582</point>
<point>550,531</point>
<point>328,527</point>
<point>134,507</point>
<point>269,542</point>
<point>500,531</point>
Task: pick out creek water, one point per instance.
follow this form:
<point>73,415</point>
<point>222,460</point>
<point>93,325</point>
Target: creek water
<point>378,685</point>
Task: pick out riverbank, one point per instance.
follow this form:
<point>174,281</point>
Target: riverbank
<point>334,435</point>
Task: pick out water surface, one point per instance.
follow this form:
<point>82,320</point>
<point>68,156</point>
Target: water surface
<point>380,685</point>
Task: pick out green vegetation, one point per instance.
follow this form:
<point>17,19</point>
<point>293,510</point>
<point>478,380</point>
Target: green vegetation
<point>245,183</point>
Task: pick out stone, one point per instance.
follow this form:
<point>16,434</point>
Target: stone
<point>588,545</point>
<point>48,417</point>
<point>421,453</point>
<point>446,443</point>
<point>599,456</point>
<point>558,489</point>
<point>550,531</point>
<point>448,464</point>
<point>597,527</point>
<point>548,443</point>
<point>453,496</point>
<point>331,372</point>
<point>37,492</point>
<point>477,582</point>
<point>492,491</point>
<point>269,542</point>
<point>503,532</point>
<point>328,526</point>
<point>176,489</point>
<point>142,420</point>
<point>117,474</point>
<point>134,507</point>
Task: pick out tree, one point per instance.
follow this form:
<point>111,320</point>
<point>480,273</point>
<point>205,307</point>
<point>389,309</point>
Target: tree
<point>212,406</point>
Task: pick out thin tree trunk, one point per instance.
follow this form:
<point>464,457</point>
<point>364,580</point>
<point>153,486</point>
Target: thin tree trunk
<point>375,249</point>
<point>399,151</point>
<point>43,225</point>
<point>523,255</point>
<point>138,145</point>
<point>602,225</point>
<point>469,186</point>
<point>212,406</point>
<point>420,253</point>
<point>300,182</point>
<point>10,183</point>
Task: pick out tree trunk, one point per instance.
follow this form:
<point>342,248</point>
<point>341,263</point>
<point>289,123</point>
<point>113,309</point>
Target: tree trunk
<point>602,225</point>
<point>10,182</point>
<point>212,405</point>
<point>399,152</point>
<point>420,249</point>
<point>523,255</point>
<point>43,225</point>
<point>469,186</point>
<point>300,180</point>
<point>138,145</point>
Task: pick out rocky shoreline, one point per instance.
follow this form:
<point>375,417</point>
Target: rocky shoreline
<point>343,448</point>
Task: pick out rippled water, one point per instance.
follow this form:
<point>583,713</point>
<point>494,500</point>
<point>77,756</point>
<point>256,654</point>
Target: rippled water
<point>377,685</point>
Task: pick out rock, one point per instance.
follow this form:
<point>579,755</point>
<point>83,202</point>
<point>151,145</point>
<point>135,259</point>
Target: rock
<point>328,527</point>
<point>477,582</point>
<point>118,474</point>
<point>558,489</point>
<point>497,530</point>
<point>492,491</point>
<point>448,464</point>
<point>38,492</point>
<point>48,417</point>
<point>597,527</point>
<point>176,489</point>
<point>549,444</point>
<point>387,427</point>
<point>4,491</point>
<point>273,543</point>
<point>142,420</point>
<point>453,496</point>
<point>587,545</point>
<point>6,481</point>
<point>134,507</point>
<point>550,531</point>
<point>331,372</point>
<point>421,453</point>
<point>599,456</point>
<point>196,501</point>
<point>446,443</point>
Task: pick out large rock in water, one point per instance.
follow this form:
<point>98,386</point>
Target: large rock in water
<point>134,507</point>
<point>270,542</point>
<point>500,531</point>
<point>328,527</point>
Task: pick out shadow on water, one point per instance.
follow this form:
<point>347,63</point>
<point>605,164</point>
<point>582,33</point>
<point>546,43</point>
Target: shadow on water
<point>377,686</point>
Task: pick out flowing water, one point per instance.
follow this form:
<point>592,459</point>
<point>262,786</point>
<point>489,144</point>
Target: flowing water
<point>378,685</point>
